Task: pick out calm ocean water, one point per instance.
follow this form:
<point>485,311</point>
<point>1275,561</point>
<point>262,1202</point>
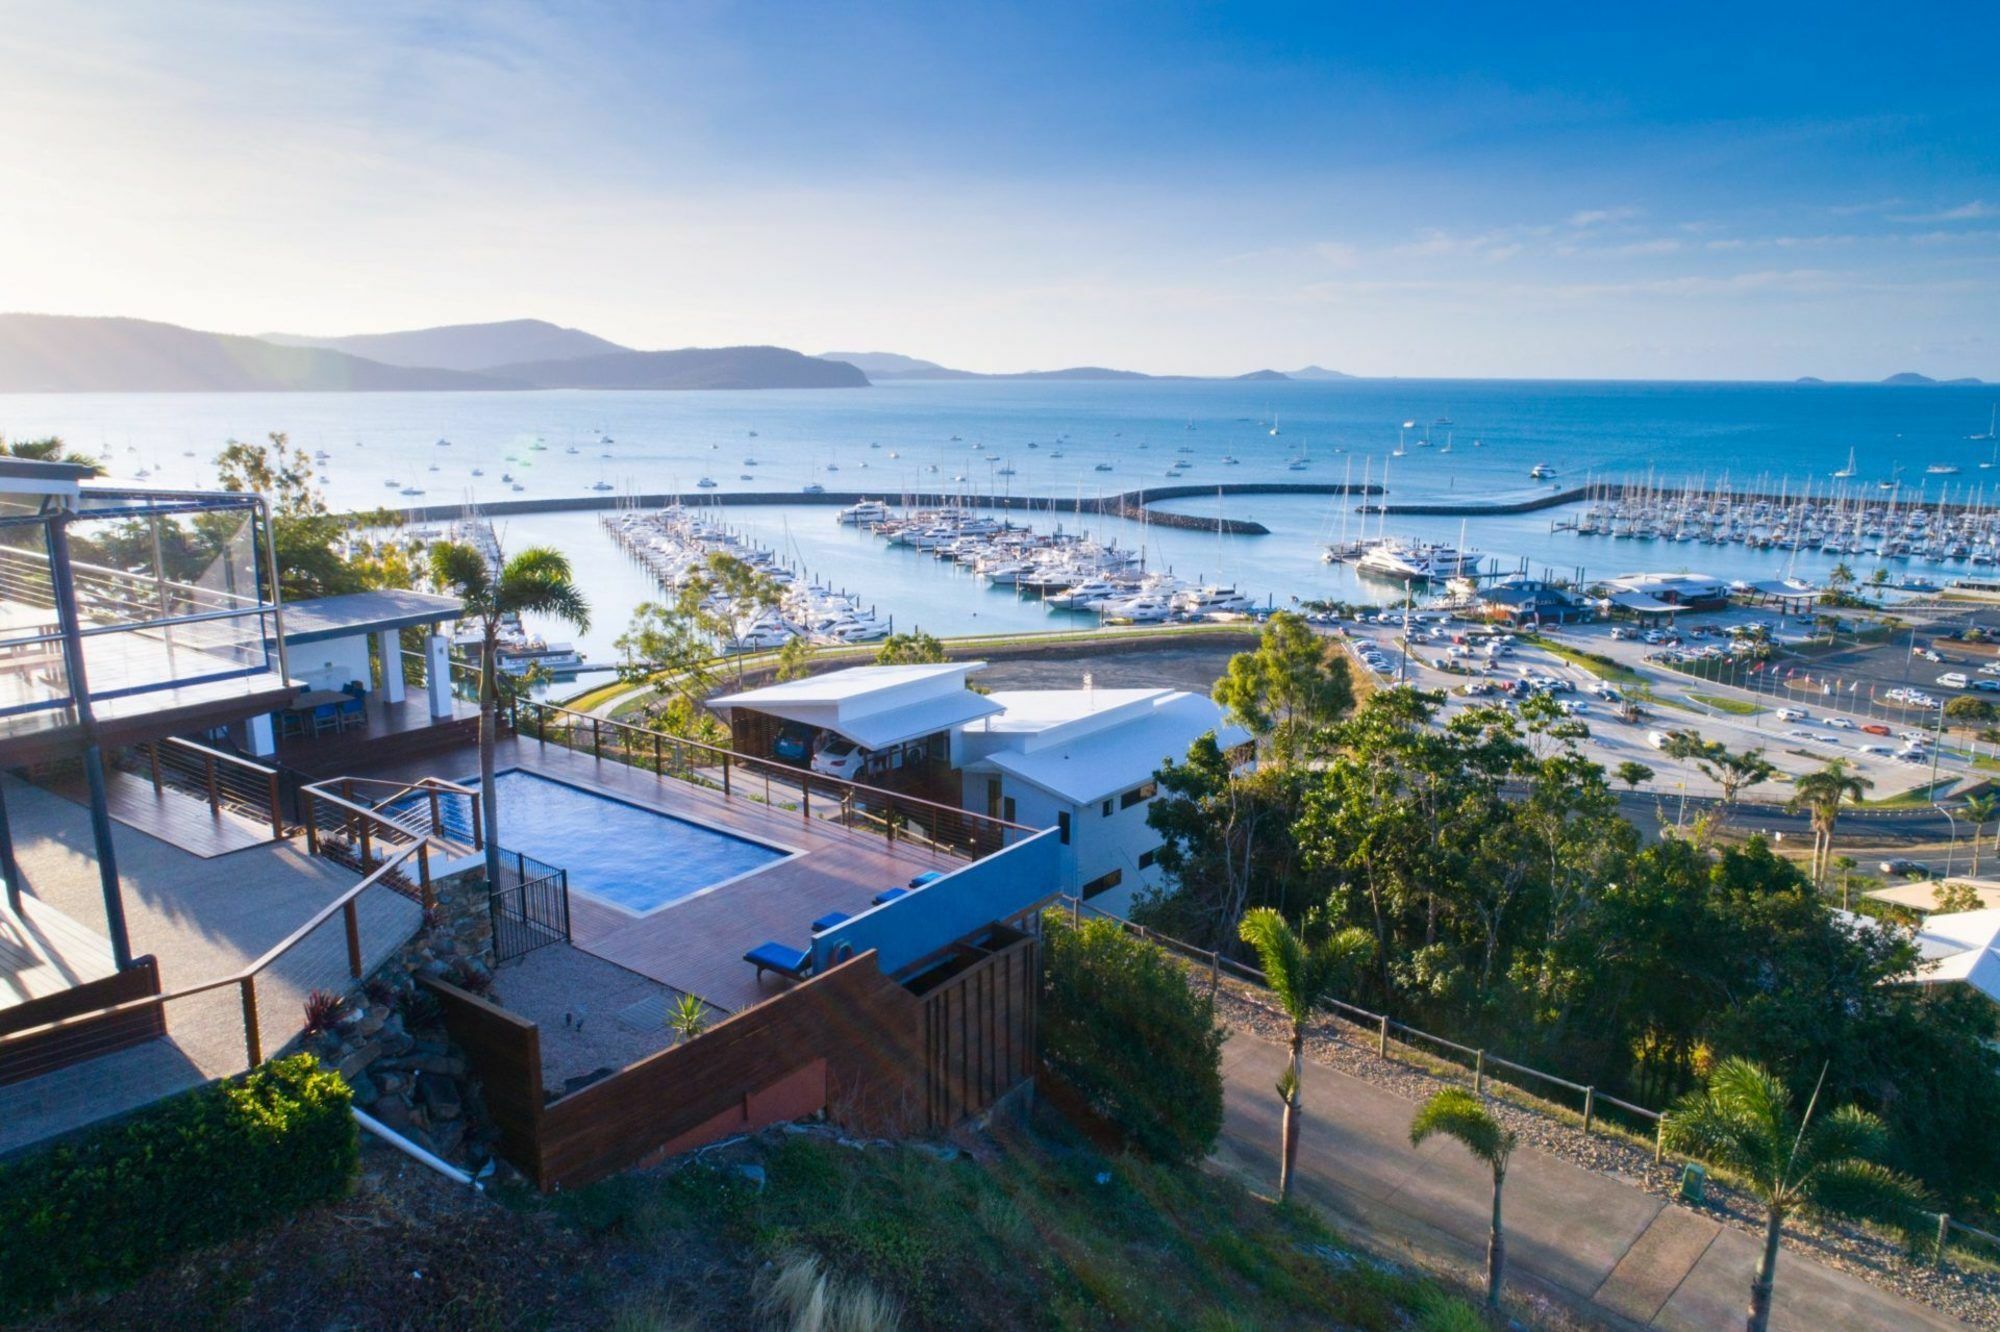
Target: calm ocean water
<point>1745,434</point>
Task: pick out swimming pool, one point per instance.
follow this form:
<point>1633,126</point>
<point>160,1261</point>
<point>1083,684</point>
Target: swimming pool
<point>633,858</point>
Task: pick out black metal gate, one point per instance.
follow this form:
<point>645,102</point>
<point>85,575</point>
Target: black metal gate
<point>530,907</point>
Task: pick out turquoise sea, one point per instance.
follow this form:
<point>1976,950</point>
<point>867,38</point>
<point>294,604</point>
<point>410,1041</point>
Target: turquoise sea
<point>1749,435</point>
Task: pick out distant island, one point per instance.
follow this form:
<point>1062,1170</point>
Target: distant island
<point>73,354</point>
<point>881,366</point>
<point>1912,377</point>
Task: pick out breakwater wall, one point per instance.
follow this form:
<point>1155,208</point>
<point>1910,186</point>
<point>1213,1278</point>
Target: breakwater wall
<point>1130,504</point>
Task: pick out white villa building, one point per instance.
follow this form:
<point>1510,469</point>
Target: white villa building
<point>1081,760</point>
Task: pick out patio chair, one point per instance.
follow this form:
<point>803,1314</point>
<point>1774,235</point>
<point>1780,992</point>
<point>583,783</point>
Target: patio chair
<point>325,717</point>
<point>829,920</point>
<point>353,712</point>
<point>888,895</point>
<point>791,963</point>
<point>291,723</point>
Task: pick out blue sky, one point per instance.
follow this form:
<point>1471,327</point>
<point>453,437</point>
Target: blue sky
<point>1548,190</point>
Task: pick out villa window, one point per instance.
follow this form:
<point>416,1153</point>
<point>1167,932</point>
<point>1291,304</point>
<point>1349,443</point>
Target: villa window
<point>1007,809</point>
<point>1062,826</point>
<point>1138,795</point>
<point>1147,858</point>
<point>1102,883</point>
<point>1107,809</point>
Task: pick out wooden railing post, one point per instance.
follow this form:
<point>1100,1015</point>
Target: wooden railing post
<point>353,939</point>
<point>153,755</point>
<point>1944,1237</point>
<point>725,775</point>
<point>424,875</point>
<point>309,811</point>
<point>1660,1140</point>
<point>806,798</point>
<point>596,739</point>
<point>1479,1073</point>
<point>277,814</point>
<point>658,769</point>
<point>364,843</point>
<point>478,833</point>
<point>437,817</point>
<point>214,794</point>
<point>1382,1038</point>
<point>1589,1107</point>
<point>253,1040</point>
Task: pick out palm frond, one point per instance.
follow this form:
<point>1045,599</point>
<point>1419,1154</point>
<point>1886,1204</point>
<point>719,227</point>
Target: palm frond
<point>462,569</point>
<point>1849,1133</point>
<point>1864,1189</point>
<point>542,592</point>
<point>1459,1114</point>
<point>1283,956</point>
<point>543,561</point>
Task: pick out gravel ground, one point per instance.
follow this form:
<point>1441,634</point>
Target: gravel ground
<point>1973,1297</point>
<point>1194,665</point>
<point>576,999</point>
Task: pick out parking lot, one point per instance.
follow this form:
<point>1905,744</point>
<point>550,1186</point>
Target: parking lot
<point>1630,714</point>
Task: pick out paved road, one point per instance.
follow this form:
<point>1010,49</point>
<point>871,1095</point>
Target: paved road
<point>1604,1247</point>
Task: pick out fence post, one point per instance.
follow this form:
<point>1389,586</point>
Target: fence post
<point>806,798</point>
<point>424,876</point>
<point>596,739</point>
<point>725,774</point>
<point>363,823</point>
<point>478,833</point>
<point>308,811</point>
<point>1944,1235</point>
<point>1479,1073</point>
<point>1214,972</point>
<point>353,939</point>
<point>153,753</point>
<point>214,795</point>
<point>437,817</point>
<point>658,769</point>
<point>1075,912</point>
<point>542,727</point>
<point>1382,1038</point>
<point>277,814</point>
<point>1660,1140</point>
<point>253,1040</point>
<point>1589,1107</point>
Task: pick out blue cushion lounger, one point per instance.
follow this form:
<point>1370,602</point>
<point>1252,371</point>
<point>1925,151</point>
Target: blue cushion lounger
<point>791,963</point>
<point>829,920</point>
<point>928,876</point>
<point>890,895</point>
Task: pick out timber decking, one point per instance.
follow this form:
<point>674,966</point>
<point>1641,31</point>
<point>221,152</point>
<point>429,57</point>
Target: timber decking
<point>44,952</point>
<point>175,817</point>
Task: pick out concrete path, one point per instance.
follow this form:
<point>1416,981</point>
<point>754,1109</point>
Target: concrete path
<point>1606,1248</point>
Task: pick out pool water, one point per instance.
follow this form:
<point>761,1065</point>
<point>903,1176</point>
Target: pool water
<point>617,852</point>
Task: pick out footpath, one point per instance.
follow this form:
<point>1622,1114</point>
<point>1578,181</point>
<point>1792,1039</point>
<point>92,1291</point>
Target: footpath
<point>1611,1252</point>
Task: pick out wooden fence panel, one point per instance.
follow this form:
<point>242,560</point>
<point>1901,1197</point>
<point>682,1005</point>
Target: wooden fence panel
<point>37,1055</point>
<point>506,1052</point>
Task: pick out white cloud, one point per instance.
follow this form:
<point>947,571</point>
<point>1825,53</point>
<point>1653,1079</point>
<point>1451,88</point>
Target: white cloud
<point>1965,212</point>
<point>1597,217</point>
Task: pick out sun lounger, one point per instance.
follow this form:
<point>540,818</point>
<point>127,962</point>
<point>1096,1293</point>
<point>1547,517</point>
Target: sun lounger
<point>889,895</point>
<point>928,876</point>
<point>791,963</point>
<point>829,920</point>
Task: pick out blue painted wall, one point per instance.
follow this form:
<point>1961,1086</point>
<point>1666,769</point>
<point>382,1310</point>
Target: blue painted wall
<point>962,902</point>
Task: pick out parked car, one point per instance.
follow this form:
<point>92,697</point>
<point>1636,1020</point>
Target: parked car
<point>1840,723</point>
<point>840,757</point>
<point>1987,686</point>
<point>794,742</point>
<point>1953,680</point>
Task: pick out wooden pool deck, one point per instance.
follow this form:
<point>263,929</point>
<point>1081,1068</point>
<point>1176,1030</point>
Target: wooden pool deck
<point>696,945</point>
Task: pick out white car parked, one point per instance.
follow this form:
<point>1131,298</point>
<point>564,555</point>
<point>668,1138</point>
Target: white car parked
<point>1953,680</point>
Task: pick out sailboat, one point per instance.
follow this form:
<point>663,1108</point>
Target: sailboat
<point>1847,473</point>
<point>1274,423</point>
<point>1992,424</point>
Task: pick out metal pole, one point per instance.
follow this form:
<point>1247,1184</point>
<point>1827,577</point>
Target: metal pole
<point>1589,1107</point>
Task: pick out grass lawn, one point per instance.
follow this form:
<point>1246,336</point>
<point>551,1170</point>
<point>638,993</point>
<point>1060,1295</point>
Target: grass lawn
<point>1736,707</point>
<point>1603,667</point>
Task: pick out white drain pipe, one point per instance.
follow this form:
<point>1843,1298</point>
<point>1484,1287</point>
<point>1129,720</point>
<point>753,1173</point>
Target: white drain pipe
<point>411,1150</point>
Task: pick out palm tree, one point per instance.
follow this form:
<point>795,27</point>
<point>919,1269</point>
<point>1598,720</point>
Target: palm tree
<point>51,449</point>
<point>537,581</point>
<point>1303,976</point>
<point>1457,1113</point>
<point>1979,811</point>
<point>1821,792</point>
<point>1743,1121</point>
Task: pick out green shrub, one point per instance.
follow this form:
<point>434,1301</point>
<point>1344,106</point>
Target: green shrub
<point>1124,1027</point>
<point>203,1167</point>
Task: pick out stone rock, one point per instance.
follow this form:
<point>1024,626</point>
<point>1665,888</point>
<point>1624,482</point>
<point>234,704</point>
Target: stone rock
<point>393,1111</point>
<point>352,1064</point>
<point>389,1082</point>
<point>373,1020</point>
<point>447,1138</point>
<point>395,1042</point>
<point>440,1096</point>
<point>364,1089</point>
<point>752,1172</point>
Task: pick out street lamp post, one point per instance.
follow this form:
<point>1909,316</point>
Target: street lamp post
<point>1951,850</point>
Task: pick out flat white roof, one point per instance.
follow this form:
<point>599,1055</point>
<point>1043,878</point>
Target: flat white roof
<point>856,682</point>
<point>1922,896</point>
<point>1036,712</point>
<point>1111,758</point>
<point>1961,947</point>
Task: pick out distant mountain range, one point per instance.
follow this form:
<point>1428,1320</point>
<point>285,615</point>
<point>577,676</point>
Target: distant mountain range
<point>72,354</point>
<point>68,354</point>
<point>894,365</point>
<point>1906,378</point>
